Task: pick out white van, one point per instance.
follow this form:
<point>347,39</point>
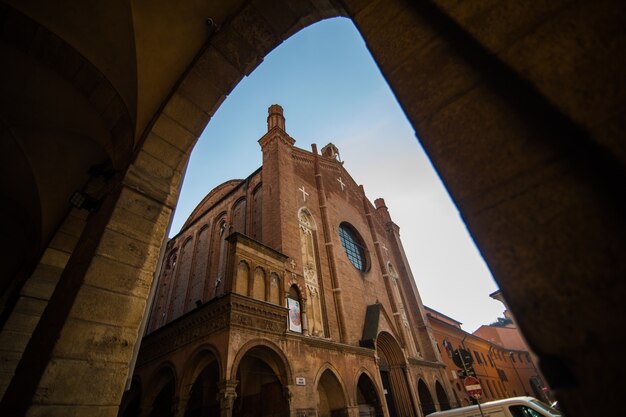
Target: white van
<point>509,407</point>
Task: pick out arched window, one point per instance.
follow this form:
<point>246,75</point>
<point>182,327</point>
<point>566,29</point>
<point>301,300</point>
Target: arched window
<point>293,304</point>
<point>243,277</point>
<point>274,289</point>
<point>354,246</point>
<point>258,284</point>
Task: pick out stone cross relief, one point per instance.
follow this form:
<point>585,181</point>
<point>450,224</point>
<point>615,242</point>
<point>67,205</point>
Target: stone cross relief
<point>386,250</point>
<point>304,193</point>
<point>341,183</point>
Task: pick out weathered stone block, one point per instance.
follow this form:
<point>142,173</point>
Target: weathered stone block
<point>107,307</point>
<point>30,305</point>
<point>69,382</point>
<point>108,274</point>
<point>83,340</point>
<point>173,132</point>
<point>125,249</point>
<point>189,115</point>
<point>13,341</point>
<point>21,323</point>
<point>163,150</point>
<point>55,257</point>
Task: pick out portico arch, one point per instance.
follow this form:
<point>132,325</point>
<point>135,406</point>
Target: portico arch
<point>426,399</point>
<point>442,397</point>
<point>160,398</point>
<point>260,375</point>
<point>200,383</point>
<point>331,398</point>
<point>368,397</point>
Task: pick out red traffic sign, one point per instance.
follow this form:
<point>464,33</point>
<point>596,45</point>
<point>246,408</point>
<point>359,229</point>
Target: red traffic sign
<point>473,388</point>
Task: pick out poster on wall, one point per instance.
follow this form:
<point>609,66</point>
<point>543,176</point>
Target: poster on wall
<point>295,324</point>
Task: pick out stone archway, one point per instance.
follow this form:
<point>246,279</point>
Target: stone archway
<point>160,397</point>
<point>260,389</point>
<point>392,367</point>
<point>426,399</point>
<point>331,401</point>
<point>367,397</point>
<point>442,397</point>
<point>202,399</point>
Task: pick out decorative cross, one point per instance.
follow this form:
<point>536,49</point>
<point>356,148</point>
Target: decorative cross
<point>341,182</point>
<point>293,264</point>
<point>304,193</point>
<point>386,250</point>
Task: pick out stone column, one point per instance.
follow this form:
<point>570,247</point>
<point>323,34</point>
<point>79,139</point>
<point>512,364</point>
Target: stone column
<point>227,396</point>
<point>352,411</point>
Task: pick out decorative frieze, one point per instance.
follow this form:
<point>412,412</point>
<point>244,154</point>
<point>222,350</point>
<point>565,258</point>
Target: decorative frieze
<point>231,310</point>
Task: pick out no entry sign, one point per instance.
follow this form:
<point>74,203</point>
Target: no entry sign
<point>473,388</point>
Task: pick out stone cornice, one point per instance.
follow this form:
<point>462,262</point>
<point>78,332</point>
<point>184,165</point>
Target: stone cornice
<point>329,344</point>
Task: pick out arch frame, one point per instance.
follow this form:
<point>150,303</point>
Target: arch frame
<point>286,376</point>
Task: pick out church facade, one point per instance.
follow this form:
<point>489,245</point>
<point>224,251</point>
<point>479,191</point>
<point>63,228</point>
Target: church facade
<point>288,293</point>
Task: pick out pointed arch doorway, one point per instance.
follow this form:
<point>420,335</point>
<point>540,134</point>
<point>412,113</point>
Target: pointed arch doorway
<point>391,367</point>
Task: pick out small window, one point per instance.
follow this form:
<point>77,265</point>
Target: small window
<point>523,411</point>
<point>477,356</point>
<point>353,245</point>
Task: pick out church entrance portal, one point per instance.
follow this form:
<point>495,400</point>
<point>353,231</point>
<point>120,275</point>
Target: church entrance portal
<point>391,366</point>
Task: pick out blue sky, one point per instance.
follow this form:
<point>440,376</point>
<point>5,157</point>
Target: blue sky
<point>332,91</point>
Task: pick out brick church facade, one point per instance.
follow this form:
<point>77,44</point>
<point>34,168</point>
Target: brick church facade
<point>288,293</point>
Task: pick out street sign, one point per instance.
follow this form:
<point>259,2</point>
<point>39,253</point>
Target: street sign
<point>473,388</point>
<point>462,358</point>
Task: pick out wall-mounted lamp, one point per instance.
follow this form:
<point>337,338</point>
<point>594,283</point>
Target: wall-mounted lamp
<point>81,200</point>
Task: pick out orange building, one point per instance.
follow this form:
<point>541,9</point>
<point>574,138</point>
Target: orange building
<point>502,371</point>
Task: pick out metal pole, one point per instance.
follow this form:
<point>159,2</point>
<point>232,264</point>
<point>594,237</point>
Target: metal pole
<point>479,407</point>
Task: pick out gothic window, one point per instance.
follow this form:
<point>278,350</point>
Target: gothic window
<point>218,255</point>
<point>309,271</point>
<point>353,245</point>
<point>274,289</point>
